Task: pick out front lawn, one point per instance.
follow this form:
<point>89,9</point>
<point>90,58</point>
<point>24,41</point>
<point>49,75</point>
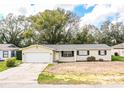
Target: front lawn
<point>83,73</point>
<point>4,67</point>
<point>118,58</point>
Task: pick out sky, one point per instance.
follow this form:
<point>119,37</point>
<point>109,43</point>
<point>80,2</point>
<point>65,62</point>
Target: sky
<point>90,11</point>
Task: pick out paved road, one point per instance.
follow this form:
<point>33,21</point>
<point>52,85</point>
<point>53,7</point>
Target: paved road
<point>25,73</point>
<point>35,85</point>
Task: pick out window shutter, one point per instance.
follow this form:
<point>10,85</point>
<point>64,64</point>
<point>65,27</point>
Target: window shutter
<point>77,52</point>
<point>105,52</point>
<point>72,53</point>
<point>99,52</point>
<point>62,53</point>
<point>88,52</point>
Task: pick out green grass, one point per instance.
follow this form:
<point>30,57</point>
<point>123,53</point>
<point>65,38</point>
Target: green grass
<point>118,58</point>
<point>4,67</point>
<point>48,78</point>
<point>50,65</point>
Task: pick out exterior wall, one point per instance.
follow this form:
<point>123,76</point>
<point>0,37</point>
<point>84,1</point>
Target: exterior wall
<point>56,56</point>
<point>84,58</point>
<point>96,55</point>
<point>9,54</point>
<point>1,55</point>
<point>36,50</point>
<point>67,59</point>
<point>119,51</point>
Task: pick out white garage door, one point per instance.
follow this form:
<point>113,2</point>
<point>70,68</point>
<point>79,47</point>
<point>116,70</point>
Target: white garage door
<point>38,57</point>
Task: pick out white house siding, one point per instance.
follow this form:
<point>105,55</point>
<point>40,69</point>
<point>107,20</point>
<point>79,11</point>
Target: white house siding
<point>58,57</point>
<point>96,55</point>
<point>1,55</point>
<point>67,59</point>
<point>119,51</point>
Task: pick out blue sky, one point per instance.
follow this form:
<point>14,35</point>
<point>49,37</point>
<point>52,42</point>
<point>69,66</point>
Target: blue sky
<point>81,10</point>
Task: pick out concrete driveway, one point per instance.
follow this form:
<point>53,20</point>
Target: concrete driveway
<point>25,73</point>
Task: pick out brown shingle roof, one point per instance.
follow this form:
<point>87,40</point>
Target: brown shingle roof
<point>119,46</point>
<point>62,47</point>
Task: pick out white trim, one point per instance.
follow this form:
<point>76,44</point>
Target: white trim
<point>37,46</point>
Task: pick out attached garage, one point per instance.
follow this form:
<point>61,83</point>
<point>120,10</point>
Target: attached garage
<point>37,54</point>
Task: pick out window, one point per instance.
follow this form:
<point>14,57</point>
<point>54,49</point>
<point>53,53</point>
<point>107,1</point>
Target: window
<point>83,52</point>
<point>5,54</point>
<point>67,53</point>
<point>102,52</point>
<point>12,53</point>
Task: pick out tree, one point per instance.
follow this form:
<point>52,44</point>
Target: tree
<point>55,26</point>
<point>84,36</point>
<point>12,29</point>
<point>110,33</point>
<point>117,34</point>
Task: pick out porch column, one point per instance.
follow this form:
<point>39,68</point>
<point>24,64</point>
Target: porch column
<point>9,54</point>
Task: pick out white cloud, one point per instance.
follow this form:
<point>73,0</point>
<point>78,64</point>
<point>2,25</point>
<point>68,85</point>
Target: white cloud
<point>66,6</point>
<point>25,6</point>
<point>101,12</point>
<point>19,6</point>
<point>81,1</point>
<point>41,7</point>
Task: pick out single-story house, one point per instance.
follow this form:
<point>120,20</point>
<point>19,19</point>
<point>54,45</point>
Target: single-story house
<point>118,49</point>
<point>7,51</point>
<point>65,52</point>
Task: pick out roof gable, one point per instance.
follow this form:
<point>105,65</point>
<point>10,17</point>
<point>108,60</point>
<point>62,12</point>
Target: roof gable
<point>8,47</point>
<point>119,46</point>
<point>37,46</point>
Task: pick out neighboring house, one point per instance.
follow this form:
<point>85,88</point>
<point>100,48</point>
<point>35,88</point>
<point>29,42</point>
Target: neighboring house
<point>65,52</point>
<point>7,51</point>
<point>118,49</point>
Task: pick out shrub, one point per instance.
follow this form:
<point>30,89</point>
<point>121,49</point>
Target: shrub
<point>116,54</point>
<point>92,58</point>
<point>19,55</point>
<point>60,62</point>
<point>101,60</point>
<point>11,62</point>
